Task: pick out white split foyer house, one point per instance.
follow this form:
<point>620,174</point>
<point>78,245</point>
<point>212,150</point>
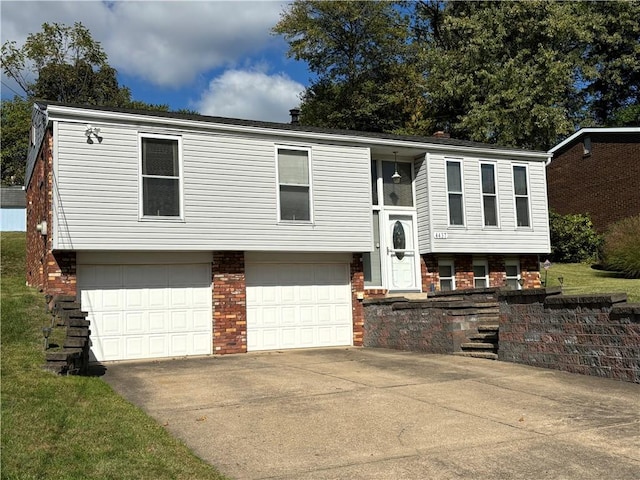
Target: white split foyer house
<point>194,235</point>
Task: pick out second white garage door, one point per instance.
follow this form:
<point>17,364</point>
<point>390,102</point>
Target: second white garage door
<point>298,305</point>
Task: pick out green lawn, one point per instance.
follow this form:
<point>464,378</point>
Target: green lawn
<point>70,427</point>
<point>581,278</point>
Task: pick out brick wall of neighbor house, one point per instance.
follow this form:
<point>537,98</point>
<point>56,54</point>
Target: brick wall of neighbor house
<point>603,184</point>
<point>52,272</point>
<point>595,335</point>
<point>229,303</point>
<point>357,287</point>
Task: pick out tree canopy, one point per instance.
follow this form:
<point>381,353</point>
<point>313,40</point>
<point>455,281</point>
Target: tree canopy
<point>60,63</point>
<point>515,73</point>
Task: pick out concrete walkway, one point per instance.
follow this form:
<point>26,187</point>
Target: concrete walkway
<point>380,414</point>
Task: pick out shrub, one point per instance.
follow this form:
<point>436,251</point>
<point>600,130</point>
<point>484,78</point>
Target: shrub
<point>621,250</point>
<point>573,238</point>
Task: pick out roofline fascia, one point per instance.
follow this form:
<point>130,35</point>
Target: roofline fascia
<point>587,130</point>
<point>59,112</point>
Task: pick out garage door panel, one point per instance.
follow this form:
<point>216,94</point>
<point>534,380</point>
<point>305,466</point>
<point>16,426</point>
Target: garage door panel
<point>158,322</point>
<point>304,308</point>
<point>147,311</point>
<point>134,323</point>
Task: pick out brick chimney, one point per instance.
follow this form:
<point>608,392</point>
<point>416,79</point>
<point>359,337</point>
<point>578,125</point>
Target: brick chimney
<point>295,116</point>
<point>441,134</point>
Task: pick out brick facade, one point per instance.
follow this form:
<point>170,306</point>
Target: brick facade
<point>603,183</point>
<point>229,303</point>
<point>357,288</point>
<point>54,273</point>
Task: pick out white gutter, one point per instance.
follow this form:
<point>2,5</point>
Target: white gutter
<point>58,112</point>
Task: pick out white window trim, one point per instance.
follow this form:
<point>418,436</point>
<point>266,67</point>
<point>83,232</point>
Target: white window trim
<point>514,263</point>
<point>380,184</point>
<point>449,263</point>
<point>461,193</point>
<point>482,195</point>
<point>309,165</point>
<point>528,196</point>
<point>483,263</point>
<point>146,218</point>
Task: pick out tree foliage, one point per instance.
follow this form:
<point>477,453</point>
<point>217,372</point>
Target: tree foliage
<point>62,64</point>
<point>366,75</point>
<point>16,117</point>
<point>621,251</point>
<point>573,238</point>
<point>515,73</point>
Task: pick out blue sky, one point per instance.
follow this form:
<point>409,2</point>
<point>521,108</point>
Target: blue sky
<point>216,57</point>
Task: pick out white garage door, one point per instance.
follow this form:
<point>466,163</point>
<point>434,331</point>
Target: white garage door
<point>298,305</point>
<point>147,311</point>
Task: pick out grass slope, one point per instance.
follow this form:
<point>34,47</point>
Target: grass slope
<point>70,427</point>
<point>581,278</point>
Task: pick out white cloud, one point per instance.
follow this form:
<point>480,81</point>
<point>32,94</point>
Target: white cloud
<point>167,43</point>
<point>251,94</point>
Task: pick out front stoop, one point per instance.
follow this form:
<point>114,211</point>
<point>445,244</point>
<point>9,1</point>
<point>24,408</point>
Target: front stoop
<point>484,342</point>
<point>73,358</point>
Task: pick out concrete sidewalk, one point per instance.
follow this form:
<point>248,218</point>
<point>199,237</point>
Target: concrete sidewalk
<point>381,414</point>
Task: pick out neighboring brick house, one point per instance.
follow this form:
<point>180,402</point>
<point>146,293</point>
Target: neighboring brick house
<point>187,234</point>
<point>596,171</point>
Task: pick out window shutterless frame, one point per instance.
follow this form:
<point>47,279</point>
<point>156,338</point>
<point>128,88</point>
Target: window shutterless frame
<point>522,205</point>
<point>294,192</point>
<point>489,192</point>
<point>160,179</point>
<point>455,192</point>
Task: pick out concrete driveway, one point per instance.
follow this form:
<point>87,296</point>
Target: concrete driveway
<point>380,414</point>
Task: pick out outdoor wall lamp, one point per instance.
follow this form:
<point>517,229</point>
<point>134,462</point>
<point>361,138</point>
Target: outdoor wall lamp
<point>89,131</point>
<point>396,176</point>
<point>561,280</point>
<point>521,282</point>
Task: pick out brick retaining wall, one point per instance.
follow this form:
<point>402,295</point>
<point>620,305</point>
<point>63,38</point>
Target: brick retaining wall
<point>595,335</point>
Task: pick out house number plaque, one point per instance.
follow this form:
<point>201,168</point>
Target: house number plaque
<point>440,235</point>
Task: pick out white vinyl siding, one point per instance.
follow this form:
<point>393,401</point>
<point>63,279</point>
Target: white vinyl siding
<point>437,236</point>
<point>230,194</point>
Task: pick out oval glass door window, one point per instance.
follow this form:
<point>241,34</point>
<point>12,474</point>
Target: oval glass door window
<point>399,239</point>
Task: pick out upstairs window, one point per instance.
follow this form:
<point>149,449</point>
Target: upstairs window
<point>489,196</point>
<point>160,159</point>
<point>454,191</point>
<point>294,186</point>
<point>521,191</point>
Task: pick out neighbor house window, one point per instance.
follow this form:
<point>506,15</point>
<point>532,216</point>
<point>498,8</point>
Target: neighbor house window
<point>454,191</point>
<point>489,194</point>
<point>160,158</point>
<point>294,186</point>
<point>447,274</point>
<point>521,190</point>
<point>480,274</point>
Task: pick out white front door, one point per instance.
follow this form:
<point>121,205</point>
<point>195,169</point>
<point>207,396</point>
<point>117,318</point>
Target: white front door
<point>402,261</point>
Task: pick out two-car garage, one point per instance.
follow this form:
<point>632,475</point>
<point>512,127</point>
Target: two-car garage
<point>152,305</point>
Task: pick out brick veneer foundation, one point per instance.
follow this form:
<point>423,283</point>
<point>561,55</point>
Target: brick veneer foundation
<point>52,272</point>
<point>229,303</point>
<point>357,288</point>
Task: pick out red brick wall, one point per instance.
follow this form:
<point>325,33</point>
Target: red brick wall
<point>603,184</point>
<point>464,271</point>
<point>357,287</point>
<point>52,272</point>
<point>429,272</point>
<point>229,303</point>
<point>497,274</point>
<point>530,271</point>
